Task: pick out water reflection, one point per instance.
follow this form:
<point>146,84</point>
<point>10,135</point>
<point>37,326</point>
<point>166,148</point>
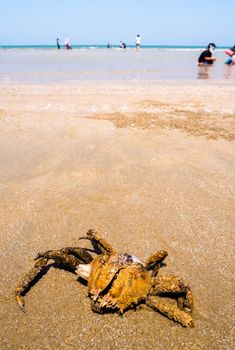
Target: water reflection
<point>229,71</point>
<point>204,72</point>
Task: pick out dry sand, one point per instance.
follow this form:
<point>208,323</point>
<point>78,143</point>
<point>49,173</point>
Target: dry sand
<point>152,167</point>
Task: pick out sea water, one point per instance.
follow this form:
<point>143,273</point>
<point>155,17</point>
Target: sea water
<point>42,64</point>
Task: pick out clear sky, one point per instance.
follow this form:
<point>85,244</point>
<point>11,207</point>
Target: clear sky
<point>165,22</point>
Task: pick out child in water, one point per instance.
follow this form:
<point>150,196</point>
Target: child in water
<point>231,54</point>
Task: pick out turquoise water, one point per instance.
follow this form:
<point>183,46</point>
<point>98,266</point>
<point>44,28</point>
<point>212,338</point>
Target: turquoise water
<point>103,46</point>
<point>44,63</point>
<point>182,47</point>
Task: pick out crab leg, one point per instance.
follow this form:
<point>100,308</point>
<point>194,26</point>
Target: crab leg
<point>81,253</point>
<point>154,261</point>
<point>60,258</point>
<point>174,285</point>
<point>71,257</point>
<point>24,284</point>
<point>186,301</point>
<point>100,245</point>
<point>170,310</point>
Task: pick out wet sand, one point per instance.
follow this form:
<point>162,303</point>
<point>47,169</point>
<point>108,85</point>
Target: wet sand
<point>149,165</point>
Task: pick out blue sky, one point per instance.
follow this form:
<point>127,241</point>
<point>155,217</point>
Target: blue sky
<point>166,22</point>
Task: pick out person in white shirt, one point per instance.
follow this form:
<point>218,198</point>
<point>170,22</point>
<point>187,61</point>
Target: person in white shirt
<point>137,41</point>
<point>67,44</point>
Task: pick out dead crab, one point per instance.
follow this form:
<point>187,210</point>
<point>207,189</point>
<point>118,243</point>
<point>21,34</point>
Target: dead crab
<point>118,281</point>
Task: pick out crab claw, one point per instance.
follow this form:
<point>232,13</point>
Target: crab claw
<point>83,271</point>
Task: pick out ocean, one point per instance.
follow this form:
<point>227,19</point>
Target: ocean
<point>44,63</point>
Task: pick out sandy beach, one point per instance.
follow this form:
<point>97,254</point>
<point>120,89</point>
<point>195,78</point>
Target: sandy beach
<point>148,164</point>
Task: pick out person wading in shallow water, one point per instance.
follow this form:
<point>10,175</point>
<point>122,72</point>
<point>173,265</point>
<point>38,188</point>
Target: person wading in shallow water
<point>67,44</point>
<point>206,56</point>
<point>137,41</point>
<point>58,43</point>
<point>122,45</point>
<point>231,53</point>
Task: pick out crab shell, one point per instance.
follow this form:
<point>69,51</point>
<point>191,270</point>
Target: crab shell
<point>116,280</point>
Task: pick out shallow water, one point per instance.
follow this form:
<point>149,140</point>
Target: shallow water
<point>51,65</point>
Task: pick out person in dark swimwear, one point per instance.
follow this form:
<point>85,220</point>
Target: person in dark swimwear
<point>207,56</point>
<point>122,45</point>
<point>58,43</point>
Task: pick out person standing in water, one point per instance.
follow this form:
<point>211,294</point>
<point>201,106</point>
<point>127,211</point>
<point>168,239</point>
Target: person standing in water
<point>67,44</point>
<point>231,53</point>
<point>137,41</point>
<point>207,56</point>
<point>122,45</point>
<point>58,43</point>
